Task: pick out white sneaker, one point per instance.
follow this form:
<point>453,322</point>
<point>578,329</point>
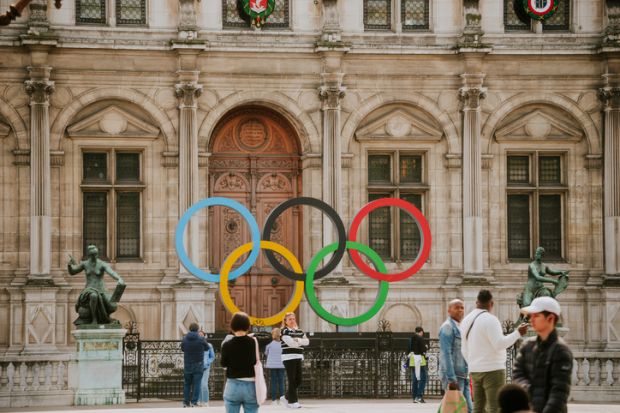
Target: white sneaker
<point>283,400</point>
<point>295,405</point>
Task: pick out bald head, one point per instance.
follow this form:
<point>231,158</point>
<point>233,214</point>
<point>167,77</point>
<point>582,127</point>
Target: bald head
<point>456,310</point>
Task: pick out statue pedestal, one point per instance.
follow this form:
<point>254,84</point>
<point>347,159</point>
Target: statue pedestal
<point>98,367</point>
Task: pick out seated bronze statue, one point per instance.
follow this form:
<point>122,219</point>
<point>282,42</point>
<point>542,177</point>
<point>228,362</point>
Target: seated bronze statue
<point>536,279</point>
<point>95,304</point>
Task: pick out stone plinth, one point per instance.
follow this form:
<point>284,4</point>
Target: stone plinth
<point>96,373</point>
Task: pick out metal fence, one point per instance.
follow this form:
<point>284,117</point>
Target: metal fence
<point>336,365</point>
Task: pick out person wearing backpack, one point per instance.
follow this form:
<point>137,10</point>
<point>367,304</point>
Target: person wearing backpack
<point>544,363</point>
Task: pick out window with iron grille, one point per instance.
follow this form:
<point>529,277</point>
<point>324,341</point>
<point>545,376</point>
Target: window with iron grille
<point>511,21</point>
<point>90,11</point>
<point>377,14</point>
<point>535,204</point>
<point>233,16</point>
<point>414,14</point>
<point>131,12</point>
<point>393,233</point>
<point>112,191</point>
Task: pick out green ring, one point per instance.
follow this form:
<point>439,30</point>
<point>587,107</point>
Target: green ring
<point>384,286</point>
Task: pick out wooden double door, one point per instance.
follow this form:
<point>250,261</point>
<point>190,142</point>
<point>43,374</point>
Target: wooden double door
<point>255,161</point>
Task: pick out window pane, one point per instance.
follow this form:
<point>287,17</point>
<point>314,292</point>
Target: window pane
<point>380,234</point>
<point>414,14</point>
<point>410,238</point>
<point>410,169</point>
<point>95,221</point>
<point>95,167</point>
<point>560,19</point>
<point>518,226</point>
<point>550,219</point>
<point>234,17</point>
<point>128,224</point>
<point>377,14</point>
<point>90,11</point>
<point>511,21</point>
<point>128,167</point>
<point>379,169</point>
<point>131,11</point>
<point>518,169</point>
<point>549,170</point>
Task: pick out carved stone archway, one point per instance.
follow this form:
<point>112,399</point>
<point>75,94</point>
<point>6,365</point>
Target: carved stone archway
<point>256,161</point>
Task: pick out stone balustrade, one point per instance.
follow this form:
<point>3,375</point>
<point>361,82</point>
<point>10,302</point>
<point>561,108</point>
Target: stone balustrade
<point>40,380</point>
<point>596,377</point>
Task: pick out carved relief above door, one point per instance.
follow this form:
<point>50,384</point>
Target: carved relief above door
<point>255,160</point>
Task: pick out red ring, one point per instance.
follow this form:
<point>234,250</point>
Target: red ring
<point>542,13</point>
<point>422,224</point>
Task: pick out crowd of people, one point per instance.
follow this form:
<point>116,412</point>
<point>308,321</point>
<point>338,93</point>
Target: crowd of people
<point>472,361</point>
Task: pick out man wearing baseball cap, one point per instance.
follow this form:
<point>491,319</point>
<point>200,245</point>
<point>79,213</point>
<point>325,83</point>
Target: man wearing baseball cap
<point>544,363</point>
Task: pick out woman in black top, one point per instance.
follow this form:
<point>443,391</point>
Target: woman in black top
<point>239,358</point>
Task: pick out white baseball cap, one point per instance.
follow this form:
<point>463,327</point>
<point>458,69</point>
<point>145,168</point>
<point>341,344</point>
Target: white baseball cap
<point>541,304</point>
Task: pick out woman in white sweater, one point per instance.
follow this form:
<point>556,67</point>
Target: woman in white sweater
<point>292,339</point>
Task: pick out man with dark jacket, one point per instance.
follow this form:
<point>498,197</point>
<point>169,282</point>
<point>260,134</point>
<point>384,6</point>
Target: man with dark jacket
<point>544,363</point>
<point>194,347</point>
<point>417,362</point>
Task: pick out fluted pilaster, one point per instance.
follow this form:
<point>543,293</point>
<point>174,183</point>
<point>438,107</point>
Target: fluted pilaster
<point>331,92</point>
<point>610,96</point>
<point>187,92</point>
<point>39,89</point>
<point>471,94</point>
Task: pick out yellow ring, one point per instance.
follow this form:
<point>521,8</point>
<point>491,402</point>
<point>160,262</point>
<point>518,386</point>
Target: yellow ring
<point>269,245</point>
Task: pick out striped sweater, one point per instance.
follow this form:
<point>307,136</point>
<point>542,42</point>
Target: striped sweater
<point>292,341</point>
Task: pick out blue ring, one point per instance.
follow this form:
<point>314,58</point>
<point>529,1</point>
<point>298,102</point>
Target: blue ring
<point>213,201</point>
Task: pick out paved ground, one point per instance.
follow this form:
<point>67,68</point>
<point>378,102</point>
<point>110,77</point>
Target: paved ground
<point>327,406</point>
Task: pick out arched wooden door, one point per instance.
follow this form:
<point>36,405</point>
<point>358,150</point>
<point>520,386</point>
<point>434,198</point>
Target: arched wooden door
<point>255,160</point>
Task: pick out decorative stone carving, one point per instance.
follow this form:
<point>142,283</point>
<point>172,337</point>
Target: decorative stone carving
<point>39,90</point>
<point>113,121</point>
<point>38,22</point>
<point>471,97</point>
<point>610,96</point>
<point>187,20</point>
<point>472,32</point>
<point>400,124</point>
<point>540,125</point>
<point>252,134</point>
<point>187,93</point>
<point>330,95</point>
<point>611,36</point>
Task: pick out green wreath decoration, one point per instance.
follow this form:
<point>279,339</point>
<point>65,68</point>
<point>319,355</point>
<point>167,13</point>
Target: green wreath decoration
<point>540,15</point>
<point>258,18</point>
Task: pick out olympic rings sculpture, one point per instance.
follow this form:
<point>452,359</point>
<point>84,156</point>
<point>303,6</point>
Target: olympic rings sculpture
<point>304,281</point>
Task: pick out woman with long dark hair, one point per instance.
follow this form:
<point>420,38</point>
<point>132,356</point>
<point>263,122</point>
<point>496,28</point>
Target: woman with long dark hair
<point>293,339</point>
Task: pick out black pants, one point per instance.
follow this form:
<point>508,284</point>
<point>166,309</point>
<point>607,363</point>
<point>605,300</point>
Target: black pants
<point>293,374</point>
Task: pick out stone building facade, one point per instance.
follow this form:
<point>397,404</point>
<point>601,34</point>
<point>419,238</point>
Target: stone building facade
<point>116,116</point>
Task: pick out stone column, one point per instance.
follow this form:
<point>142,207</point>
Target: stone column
<point>610,95</point>
<point>330,92</point>
<point>187,92</point>
<point>39,88</point>
<point>471,93</point>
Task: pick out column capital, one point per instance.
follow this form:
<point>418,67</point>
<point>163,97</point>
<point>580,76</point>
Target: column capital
<point>331,91</point>
<point>187,92</point>
<point>471,96</point>
<point>610,96</point>
<point>39,90</point>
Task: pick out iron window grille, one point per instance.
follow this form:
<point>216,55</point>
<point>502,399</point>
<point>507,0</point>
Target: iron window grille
<point>377,14</point>
<point>511,21</point>
<point>415,14</point>
<point>232,15</point>
<point>112,190</point>
<point>131,12</point>
<point>535,204</point>
<point>90,11</point>
<point>392,233</point>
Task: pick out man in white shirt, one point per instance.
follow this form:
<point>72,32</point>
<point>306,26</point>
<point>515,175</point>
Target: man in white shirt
<point>484,345</point>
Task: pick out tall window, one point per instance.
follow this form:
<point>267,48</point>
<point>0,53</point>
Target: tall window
<point>409,15</point>
<point>560,21</point>
<point>233,17</point>
<point>393,234</point>
<point>111,189</point>
<point>128,12</point>
<point>536,193</point>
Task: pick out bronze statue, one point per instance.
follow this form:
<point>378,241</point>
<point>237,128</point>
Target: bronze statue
<point>95,304</point>
<point>535,286</point>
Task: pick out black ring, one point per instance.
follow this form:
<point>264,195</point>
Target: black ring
<point>331,214</point>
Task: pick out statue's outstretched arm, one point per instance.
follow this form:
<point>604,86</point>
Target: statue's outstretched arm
<point>113,274</point>
<point>73,267</point>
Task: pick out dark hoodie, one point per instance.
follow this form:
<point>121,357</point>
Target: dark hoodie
<point>194,347</point>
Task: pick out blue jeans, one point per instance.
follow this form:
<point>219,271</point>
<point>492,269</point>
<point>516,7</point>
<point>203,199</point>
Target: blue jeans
<point>204,386</point>
<point>239,393</point>
<point>417,386</point>
<point>277,383</point>
<point>464,388</point>
<point>192,375</point>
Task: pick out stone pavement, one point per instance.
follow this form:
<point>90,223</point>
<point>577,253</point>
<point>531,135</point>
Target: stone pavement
<point>327,406</point>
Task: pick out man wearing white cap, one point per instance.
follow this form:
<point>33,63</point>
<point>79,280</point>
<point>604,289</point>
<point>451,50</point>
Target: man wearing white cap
<point>544,363</point>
